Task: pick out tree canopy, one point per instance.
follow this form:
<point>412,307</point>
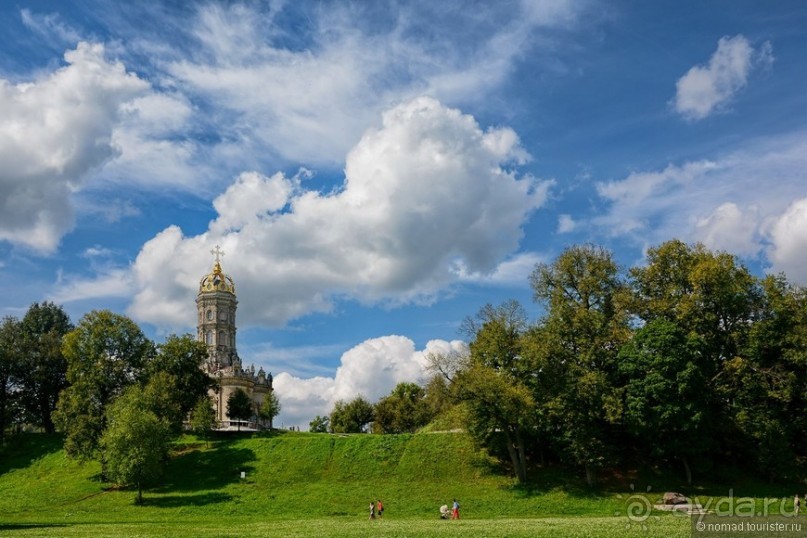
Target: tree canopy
<point>135,442</point>
<point>239,406</point>
<point>105,353</point>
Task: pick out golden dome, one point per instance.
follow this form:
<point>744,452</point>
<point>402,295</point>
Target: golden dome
<point>217,281</point>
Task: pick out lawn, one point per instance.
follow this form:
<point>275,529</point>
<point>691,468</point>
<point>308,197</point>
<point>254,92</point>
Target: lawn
<point>300,484</point>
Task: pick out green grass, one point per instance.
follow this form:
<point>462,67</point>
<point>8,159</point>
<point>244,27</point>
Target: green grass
<point>301,484</point>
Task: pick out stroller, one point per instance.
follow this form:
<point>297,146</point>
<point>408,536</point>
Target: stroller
<point>445,513</point>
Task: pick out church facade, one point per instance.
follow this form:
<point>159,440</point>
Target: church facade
<point>216,306</point>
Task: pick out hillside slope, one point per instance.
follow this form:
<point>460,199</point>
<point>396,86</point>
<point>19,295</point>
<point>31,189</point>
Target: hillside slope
<point>288,475</point>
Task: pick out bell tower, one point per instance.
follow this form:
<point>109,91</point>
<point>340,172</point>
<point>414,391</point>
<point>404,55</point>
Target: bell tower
<point>215,305</point>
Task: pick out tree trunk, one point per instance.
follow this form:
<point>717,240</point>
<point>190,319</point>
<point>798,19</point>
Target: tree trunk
<point>515,457</point>
<point>45,410</point>
<point>591,477</point>
<point>522,457</point>
<point>687,469</point>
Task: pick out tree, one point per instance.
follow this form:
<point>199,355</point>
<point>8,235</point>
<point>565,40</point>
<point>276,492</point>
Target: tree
<point>498,402</point>
<point>203,418</point>
<point>491,381</point>
<point>105,353</point>
<point>352,416</point>
<point>715,301</point>
<point>586,323</point>
<point>182,357</point>
<point>404,410</point>
<point>768,382</point>
<point>42,372</point>
<point>709,294</point>
<point>10,350</point>
<point>135,442</point>
<point>160,395</point>
<point>438,398</point>
<point>239,406</point>
<point>319,424</point>
<point>270,408</point>
<point>666,393</point>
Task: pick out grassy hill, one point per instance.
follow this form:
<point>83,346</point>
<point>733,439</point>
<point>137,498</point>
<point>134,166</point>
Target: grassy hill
<point>303,483</point>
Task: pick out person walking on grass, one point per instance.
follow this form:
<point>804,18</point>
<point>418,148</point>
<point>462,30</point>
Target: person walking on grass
<point>797,504</point>
<point>455,510</point>
<point>372,510</point>
<point>380,508</point>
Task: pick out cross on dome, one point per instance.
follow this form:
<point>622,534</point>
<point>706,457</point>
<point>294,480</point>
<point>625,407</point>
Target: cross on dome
<point>217,252</point>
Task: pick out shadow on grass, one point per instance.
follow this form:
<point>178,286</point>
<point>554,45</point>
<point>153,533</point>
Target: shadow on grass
<point>544,480</point>
<point>23,449</point>
<point>721,483</point>
<point>26,526</point>
<point>201,470</point>
<point>177,501</point>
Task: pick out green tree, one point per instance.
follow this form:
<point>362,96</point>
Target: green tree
<point>159,393</point>
<point>135,442</point>
<point>105,353</point>
<point>239,406</point>
<point>203,418</point>
<point>715,301</point>
<point>708,294</point>
<point>182,357</point>
<point>319,424</point>
<point>492,382</point>
<point>768,382</point>
<point>42,372</point>
<point>586,301</point>
<point>438,397</point>
<point>352,416</point>
<point>404,410</point>
<point>270,408</point>
<point>498,402</point>
<point>10,351</point>
<point>666,393</point>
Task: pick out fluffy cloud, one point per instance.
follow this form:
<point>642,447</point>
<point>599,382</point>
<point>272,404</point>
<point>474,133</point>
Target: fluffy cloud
<point>251,196</point>
<point>70,114</point>
<point>426,193</point>
<point>742,202</point>
<point>705,89</point>
<point>788,250</point>
<point>731,229</point>
<point>370,369</point>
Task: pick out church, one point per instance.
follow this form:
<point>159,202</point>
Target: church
<point>216,304</point>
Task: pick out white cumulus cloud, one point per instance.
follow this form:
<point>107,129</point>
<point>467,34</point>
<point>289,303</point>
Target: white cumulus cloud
<point>370,369</point>
<point>70,114</point>
<point>706,89</point>
<point>788,250</point>
<point>427,192</point>
<point>730,228</point>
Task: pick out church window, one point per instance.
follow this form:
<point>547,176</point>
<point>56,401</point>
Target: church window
<point>209,315</point>
<point>209,338</point>
<point>223,315</point>
<point>221,341</point>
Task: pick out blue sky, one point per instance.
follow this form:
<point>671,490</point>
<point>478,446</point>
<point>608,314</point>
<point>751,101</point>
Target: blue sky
<point>377,171</point>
